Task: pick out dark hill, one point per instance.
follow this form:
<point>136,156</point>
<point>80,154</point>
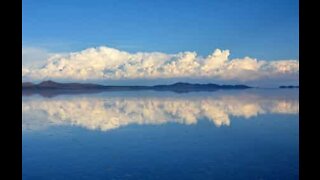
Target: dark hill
<point>288,87</point>
<point>56,85</point>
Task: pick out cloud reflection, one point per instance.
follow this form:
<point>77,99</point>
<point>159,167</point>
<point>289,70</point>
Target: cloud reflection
<point>106,113</point>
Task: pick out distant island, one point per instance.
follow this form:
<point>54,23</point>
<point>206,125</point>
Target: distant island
<point>76,87</point>
<point>286,87</point>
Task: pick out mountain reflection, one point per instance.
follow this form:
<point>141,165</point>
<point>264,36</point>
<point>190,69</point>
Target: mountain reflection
<point>106,113</point>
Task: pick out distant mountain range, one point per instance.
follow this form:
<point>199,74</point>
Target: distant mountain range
<point>177,87</point>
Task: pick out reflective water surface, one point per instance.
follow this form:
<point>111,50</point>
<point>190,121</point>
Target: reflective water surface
<point>247,134</point>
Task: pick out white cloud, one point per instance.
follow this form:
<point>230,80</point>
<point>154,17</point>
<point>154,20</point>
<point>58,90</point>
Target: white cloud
<point>108,63</point>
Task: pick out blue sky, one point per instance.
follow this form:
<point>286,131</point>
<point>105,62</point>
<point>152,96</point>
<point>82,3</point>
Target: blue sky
<point>258,28</point>
<point>265,31</point>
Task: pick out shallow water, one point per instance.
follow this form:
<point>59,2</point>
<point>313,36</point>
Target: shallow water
<point>246,134</point>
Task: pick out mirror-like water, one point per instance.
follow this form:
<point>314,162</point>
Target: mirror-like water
<point>250,134</point>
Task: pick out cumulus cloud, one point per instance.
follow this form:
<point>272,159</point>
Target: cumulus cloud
<point>106,113</point>
<point>104,63</point>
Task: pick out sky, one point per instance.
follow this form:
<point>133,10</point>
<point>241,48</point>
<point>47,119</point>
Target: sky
<point>111,40</point>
